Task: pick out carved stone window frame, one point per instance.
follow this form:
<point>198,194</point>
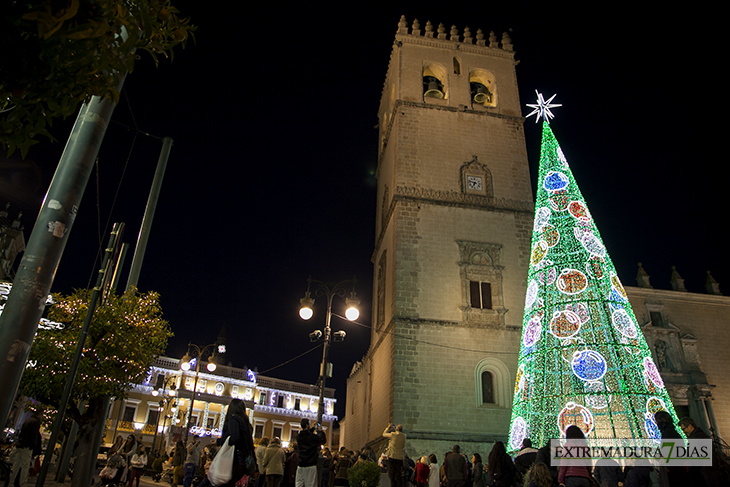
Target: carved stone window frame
<point>479,261</point>
<point>472,172</point>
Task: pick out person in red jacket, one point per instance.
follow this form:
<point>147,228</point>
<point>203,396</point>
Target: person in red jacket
<point>422,471</point>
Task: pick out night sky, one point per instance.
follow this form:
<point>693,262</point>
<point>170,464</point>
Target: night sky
<point>271,176</point>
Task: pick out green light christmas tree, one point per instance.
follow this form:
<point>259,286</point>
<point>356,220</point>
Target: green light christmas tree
<point>583,358</point>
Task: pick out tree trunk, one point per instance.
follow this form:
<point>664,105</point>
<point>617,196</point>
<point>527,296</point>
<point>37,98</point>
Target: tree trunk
<point>85,464</point>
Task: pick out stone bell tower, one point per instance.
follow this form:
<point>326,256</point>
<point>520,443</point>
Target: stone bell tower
<point>452,242</point>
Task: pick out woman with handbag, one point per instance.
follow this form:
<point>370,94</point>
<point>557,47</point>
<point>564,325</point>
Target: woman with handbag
<point>228,467</point>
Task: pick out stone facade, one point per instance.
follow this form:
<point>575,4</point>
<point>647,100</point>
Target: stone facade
<point>688,336</point>
<point>454,211</point>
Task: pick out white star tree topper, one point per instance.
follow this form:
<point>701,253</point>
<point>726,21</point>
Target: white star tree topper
<point>542,108</point>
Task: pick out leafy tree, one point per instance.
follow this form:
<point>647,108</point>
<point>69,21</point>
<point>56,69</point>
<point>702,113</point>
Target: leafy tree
<point>126,334</point>
<point>57,54</point>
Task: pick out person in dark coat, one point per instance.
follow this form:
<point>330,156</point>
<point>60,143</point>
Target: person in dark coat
<point>27,446</point>
<point>310,441</point>
<point>715,475</point>
<point>290,465</point>
<point>670,476</point>
<point>639,476</point>
<point>524,459</point>
<point>608,473</point>
<point>500,469</point>
<point>543,456</point>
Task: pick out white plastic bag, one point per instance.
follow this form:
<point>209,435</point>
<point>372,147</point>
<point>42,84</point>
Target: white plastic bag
<point>221,468</point>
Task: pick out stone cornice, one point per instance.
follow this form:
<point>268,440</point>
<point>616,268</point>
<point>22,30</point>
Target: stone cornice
<point>667,295</point>
<point>293,413</point>
<point>456,46</point>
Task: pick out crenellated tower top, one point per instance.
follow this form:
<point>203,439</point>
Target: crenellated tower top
<point>453,35</point>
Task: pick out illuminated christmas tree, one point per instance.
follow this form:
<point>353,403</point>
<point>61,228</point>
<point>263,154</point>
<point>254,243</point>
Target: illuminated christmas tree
<point>583,358</point>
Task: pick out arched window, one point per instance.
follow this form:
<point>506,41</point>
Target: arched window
<point>483,88</point>
<point>487,387</point>
<point>493,383</point>
<point>434,81</point>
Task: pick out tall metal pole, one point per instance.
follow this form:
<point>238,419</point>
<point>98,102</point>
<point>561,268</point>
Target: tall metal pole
<point>33,281</point>
<point>70,379</point>
<point>325,356</point>
<point>149,213</point>
<point>192,398</point>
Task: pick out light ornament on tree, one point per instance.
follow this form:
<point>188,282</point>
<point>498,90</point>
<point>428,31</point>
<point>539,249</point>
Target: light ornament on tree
<point>583,360</point>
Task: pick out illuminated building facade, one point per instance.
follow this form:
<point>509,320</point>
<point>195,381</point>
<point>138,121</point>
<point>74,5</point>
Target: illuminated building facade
<point>275,406</point>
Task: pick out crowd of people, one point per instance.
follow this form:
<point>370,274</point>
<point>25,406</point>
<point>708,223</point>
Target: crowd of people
<point>307,462</point>
<point>530,467</point>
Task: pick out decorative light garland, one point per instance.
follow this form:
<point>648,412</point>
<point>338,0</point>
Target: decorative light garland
<point>583,359</point>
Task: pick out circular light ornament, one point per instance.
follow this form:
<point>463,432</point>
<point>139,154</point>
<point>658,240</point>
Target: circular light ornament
<point>564,324</point>
<point>581,309</point>
<point>542,216</point>
<point>575,414</point>
<point>531,294</point>
<point>518,434</point>
<point>561,157</point>
<point>654,405</point>
<point>588,365</point>
<point>555,181</point>
<point>548,274</point>
<point>551,235</point>
<point>572,281</point>
<point>533,329</point>
<point>652,372</point>
<point>597,398</point>
<point>559,201</point>
<point>211,366</point>
<point>623,323</point>
<point>652,430</point>
<point>538,252</point>
<point>519,382</point>
<point>578,210</point>
<point>594,267</point>
<point>618,287</point>
<point>592,245</point>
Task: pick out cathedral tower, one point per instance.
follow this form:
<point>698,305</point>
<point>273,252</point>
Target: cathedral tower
<point>452,244</point>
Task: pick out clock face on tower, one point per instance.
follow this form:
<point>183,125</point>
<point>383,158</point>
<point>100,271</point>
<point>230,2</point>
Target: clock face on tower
<point>474,183</point>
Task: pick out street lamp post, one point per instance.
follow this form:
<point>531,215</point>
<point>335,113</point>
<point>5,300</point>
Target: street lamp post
<point>186,366</point>
<point>163,405</point>
<point>328,290</point>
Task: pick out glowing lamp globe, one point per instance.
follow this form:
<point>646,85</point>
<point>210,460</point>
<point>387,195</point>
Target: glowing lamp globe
<point>210,367</point>
<point>352,314</point>
<point>185,366</point>
<point>305,313</point>
<point>155,393</point>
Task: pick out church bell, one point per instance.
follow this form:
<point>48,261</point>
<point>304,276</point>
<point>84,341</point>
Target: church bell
<point>432,87</point>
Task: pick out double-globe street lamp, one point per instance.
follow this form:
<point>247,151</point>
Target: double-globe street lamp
<point>187,364</point>
<point>328,290</point>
